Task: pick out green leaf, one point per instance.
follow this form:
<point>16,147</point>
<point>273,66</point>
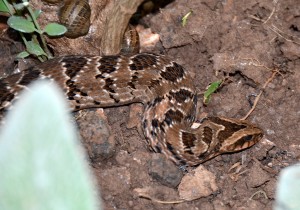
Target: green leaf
<point>210,90</point>
<point>37,13</point>
<point>55,29</point>
<point>34,48</point>
<point>41,161</point>
<point>23,54</point>
<point>184,19</point>
<point>20,6</point>
<point>21,24</point>
<point>3,7</point>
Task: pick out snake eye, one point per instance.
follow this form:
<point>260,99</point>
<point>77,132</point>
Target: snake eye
<point>247,138</point>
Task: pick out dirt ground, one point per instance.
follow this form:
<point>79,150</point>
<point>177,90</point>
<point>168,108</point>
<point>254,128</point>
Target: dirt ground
<point>242,41</point>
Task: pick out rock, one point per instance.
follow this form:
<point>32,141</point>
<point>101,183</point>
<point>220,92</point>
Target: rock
<point>199,184</point>
<point>257,176</point>
<point>164,171</point>
<point>96,135</point>
<point>135,117</point>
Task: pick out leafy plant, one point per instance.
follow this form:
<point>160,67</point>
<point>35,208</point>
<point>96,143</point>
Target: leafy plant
<point>185,18</point>
<point>210,90</point>
<point>23,18</point>
<point>41,162</point>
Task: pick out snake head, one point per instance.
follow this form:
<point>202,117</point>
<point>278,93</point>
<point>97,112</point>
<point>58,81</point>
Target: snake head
<point>214,136</point>
<point>233,135</point>
<point>218,135</point>
<point>242,139</point>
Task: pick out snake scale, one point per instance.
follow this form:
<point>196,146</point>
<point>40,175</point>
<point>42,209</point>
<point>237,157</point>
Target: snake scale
<point>162,85</point>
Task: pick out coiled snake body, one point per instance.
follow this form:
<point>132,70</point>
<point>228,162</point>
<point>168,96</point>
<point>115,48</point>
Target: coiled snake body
<point>162,85</point>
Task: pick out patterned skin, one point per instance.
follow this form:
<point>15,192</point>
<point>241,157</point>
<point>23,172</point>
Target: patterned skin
<point>163,86</point>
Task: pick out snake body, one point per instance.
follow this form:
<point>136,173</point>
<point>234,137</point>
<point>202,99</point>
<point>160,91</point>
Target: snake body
<point>162,85</point>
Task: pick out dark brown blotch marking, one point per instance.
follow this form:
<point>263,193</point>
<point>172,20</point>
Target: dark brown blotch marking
<point>71,95</point>
<point>216,148</point>
<point>251,139</point>
<point>157,149</point>
<point>229,128</point>
<point>97,102</point>
<point>99,76</point>
<point>182,95</point>
<point>156,101</point>
<point>188,139</point>
<point>142,61</point>
<point>153,83</point>
<point>203,155</point>
<point>114,98</point>
<point>207,135</point>
<point>30,75</point>
<point>108,83</point>
<point>170,147</point>
<point>83,93</point>
<point>155,123</point>
<point>172,115</point>
<point>73,65</point>
<point>73,90</point>
<point>134,78</point>
<point>133,81</point>
<point>132,85</point>
<point>153,133</point>
<point>244,140</point>
<point>5,94</point>
<point>9,97</point>
<point>161,125</point>
<point>175,155</point>
<point>191,114</point>
<point>70,83</point>
<point>108,65</point>
<point>173,73</point>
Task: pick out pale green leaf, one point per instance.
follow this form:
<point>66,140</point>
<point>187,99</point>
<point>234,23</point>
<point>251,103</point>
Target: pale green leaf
<point>21,24</point>
<point>41,162</point>
<point>210,90</point>
<point>288,190</point>
<point>34,48</point>
<point>3,7</point>
<point>55,29</point>
<point>185,18</point>
<point>23,54</point>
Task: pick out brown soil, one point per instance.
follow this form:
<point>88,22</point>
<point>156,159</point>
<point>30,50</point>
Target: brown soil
<point>244,41</point>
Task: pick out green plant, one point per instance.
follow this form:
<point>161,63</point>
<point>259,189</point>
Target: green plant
<point>23,18</point>
<point>185,18</point>
<point>210,90</point>
<point>42,165</point>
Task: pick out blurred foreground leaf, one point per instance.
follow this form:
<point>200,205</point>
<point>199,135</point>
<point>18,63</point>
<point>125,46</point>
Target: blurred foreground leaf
<point>288,189</point>
<point>42,165</point>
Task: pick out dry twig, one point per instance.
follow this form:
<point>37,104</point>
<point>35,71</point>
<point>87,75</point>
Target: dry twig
<point>260,93</point>
<point>143,195</point>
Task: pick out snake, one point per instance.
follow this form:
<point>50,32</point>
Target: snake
<point>164,87</point>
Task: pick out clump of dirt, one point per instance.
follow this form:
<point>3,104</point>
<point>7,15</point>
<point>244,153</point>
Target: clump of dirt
<point>244,42</point>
